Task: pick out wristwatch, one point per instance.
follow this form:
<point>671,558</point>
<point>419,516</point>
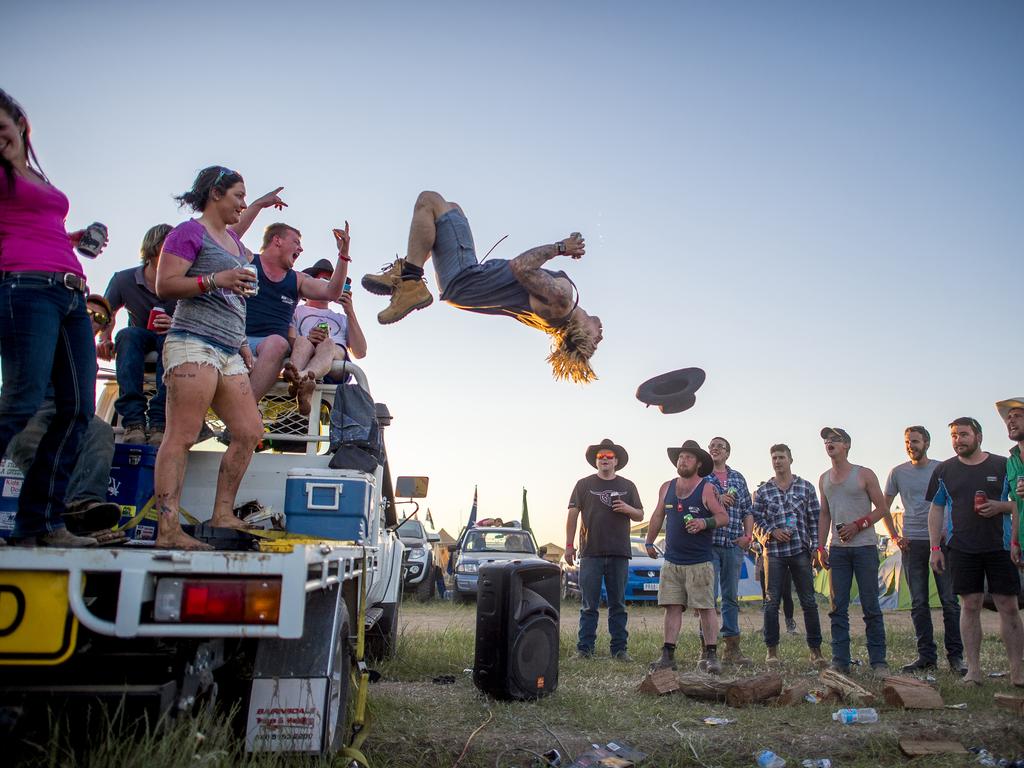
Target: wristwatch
<point>560,246</point>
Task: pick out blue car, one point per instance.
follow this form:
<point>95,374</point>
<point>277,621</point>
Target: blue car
<point>641,581</point>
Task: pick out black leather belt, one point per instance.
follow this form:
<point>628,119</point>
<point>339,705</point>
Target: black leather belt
<point>69,280</point>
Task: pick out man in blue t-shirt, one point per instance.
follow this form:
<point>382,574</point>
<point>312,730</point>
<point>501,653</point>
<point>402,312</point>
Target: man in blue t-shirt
<point>968,497</point>
<point>690,510</point>
<point>268,314</point>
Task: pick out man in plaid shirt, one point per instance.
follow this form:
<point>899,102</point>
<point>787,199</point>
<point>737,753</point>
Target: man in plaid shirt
<point>786,512</point>
<point>729,543</point>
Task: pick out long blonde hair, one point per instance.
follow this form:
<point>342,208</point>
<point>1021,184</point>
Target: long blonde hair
<point>573,344</point>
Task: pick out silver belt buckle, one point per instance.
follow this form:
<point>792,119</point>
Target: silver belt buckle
<point>74,282</point>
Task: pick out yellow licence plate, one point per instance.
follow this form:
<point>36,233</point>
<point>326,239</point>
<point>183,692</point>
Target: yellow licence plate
<point>36,624</point>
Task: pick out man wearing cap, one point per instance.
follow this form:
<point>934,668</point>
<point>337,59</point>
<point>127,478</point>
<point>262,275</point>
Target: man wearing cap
<point>314,349</point>
<point>519,288</point>
<point>268,314</point>
<point>910,481</point>
<point>1012,412</point>
<point>969,508</point>
<point>851,504</point>
<point>786,516</point>
<point>689,508</point>
<point>729,543</point>
<point>607,503</point>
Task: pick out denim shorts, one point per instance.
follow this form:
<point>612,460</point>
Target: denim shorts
<point>453,247</point>
<point>182,348</point>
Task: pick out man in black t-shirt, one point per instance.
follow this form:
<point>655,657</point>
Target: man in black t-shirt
<point>969,511</point>
<point>607,504</point>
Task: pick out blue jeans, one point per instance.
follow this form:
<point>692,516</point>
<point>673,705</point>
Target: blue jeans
<point>782,571</point>
<point>613,571</point>
<point>847,563</point>
<point>131,347</point>
<point>45,335</point>
<point>918,569</point>
<point>453,247</point>
<point>727,561</point>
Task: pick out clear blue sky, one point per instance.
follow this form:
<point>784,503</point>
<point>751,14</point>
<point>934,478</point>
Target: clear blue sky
<point>819,204</point>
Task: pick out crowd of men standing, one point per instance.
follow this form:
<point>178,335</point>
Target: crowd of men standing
<point>962,523</point>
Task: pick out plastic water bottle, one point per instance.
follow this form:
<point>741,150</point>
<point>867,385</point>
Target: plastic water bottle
<point>768,759</point>
<point>846,716</point>
<point>822,762</point>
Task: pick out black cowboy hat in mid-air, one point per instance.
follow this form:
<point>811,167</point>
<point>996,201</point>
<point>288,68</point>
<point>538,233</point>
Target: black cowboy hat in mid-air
<point>672,392</point>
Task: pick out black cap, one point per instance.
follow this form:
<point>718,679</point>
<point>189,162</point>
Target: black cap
<point>842,434</point>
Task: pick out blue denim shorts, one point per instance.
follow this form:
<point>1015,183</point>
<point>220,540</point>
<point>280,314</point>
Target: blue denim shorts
<point>182,348</point>
<point>453,248</point>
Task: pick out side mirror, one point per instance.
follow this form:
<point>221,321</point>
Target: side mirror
<point>542,551</point>
<point>433,537</point>
<point>411,487</point>
<point>453,548</point>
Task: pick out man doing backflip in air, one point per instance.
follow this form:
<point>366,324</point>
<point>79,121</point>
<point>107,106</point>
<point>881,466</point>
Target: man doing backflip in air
<point>518,288</point>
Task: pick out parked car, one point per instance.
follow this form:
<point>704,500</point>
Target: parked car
<point>482,545</point>
<point>641,580</point>
<point>418,575</point>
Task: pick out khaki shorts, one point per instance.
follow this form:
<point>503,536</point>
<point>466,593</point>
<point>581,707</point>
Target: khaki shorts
<point>691,586</point>
<point>180,349</point>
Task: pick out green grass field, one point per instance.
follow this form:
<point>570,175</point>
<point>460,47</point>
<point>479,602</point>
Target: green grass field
<point>416,722</point>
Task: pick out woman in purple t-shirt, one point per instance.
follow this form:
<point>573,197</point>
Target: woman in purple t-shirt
<point>45,333</point>
<point>205,358</point>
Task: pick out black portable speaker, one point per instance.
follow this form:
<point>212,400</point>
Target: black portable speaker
<point>517,629</point>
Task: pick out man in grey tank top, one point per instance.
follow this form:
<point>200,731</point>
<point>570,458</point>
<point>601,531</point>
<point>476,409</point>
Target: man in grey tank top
<point>851,504</point>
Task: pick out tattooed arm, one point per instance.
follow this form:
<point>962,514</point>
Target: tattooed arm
<point>552,294</point>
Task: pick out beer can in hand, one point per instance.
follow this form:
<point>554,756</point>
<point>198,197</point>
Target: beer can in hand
<point>93,240</point>
<point>251,269</point>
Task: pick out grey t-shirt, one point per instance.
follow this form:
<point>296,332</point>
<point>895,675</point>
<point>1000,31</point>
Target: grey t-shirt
<point>217,316</point>
<point>910,483</point>
<point>847,502</point>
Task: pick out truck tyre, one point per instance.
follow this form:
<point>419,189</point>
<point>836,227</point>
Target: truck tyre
<point>338,690</point>
<point>425,589</point>
<point>381,641</point>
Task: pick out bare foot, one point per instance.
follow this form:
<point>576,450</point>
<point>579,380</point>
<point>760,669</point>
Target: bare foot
<point>228,521</point>
<point>304,395</point>
<point>290,372</point>
<point>179,540</point>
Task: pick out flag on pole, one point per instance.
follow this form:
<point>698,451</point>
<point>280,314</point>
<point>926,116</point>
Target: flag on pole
<point>430,520</point>
<point>525,522</point>
<point>472,512</point>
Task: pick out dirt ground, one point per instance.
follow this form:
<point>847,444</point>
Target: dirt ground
<point>425,617</point>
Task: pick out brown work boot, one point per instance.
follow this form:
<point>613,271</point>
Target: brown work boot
<point>384,283</point>
<point>732,653</point>
<point>817,659</point>
<point>709,662</point>
<point>408,295</point>
<point>772,659</point>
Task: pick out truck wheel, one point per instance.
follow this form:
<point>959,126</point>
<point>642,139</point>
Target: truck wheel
<point>339,684</point>
<point>425,589</point>
<point>382,640</point>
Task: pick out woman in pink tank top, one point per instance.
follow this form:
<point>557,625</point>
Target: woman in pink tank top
<point>45,334</point>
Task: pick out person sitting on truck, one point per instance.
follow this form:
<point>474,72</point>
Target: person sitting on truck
<point>315,348</point>
<point>206,357</point>
<point>87,508</point>
<point>520,288</point>
<point>135,288</point>
<point>269,312</point>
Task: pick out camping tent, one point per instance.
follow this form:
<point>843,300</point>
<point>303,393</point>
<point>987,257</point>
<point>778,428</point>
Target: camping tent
<point>893,590</point>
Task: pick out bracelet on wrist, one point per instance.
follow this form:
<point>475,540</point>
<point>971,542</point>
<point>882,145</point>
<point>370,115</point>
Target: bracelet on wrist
<point>936,549</point>
<point>343,257</point>
<point>199,282</point>
<point>213,281</point>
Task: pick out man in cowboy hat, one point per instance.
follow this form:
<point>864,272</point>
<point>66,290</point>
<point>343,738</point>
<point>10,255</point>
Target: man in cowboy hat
<point>1012,412</point>
<point>314,349</point>
<point>607,503</point>
<point>851,504</point>
<point>690,509</point>
<point>520,288</point>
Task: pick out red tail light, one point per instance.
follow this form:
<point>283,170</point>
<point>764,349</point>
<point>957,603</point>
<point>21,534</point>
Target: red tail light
<point>219,601</point>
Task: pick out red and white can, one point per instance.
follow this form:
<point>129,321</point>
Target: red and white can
<point>153,314</point>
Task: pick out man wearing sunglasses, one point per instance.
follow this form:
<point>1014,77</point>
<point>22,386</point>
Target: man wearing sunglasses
<point>86,498</point>
<point>970,511</point>
<point>607,504</point>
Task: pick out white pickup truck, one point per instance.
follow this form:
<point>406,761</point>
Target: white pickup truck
<point>274,629</point>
